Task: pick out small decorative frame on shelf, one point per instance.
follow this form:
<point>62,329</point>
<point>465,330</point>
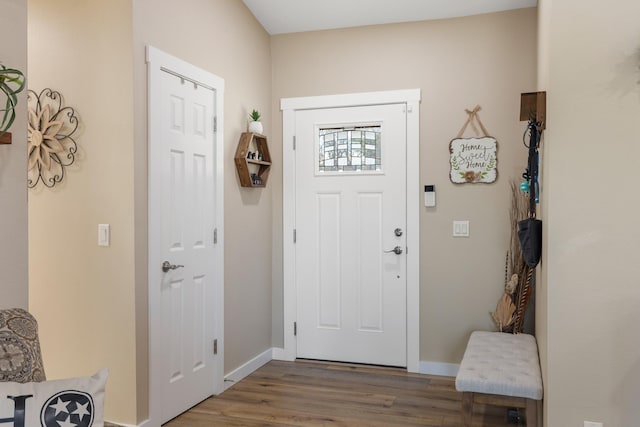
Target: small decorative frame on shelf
<point>253,166</point>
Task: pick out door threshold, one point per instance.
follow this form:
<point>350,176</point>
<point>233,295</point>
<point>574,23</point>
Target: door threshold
<point>348,365</point>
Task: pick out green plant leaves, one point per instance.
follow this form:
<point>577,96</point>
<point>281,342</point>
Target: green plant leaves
<point>11,84</point>
<point>255,116</point>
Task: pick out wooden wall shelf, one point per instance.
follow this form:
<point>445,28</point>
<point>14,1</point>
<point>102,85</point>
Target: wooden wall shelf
<point>5,138</point>
<point>253,172</point>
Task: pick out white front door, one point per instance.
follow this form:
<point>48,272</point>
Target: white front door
<point>184,281</point>
<point>350,215</point>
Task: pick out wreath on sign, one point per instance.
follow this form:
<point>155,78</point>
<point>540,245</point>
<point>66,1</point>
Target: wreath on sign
<point>473,160</point>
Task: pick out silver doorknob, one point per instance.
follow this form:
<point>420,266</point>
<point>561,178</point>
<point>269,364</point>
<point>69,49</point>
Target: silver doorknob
<point>166,266</point>
<point>397,250</point>
<point>398,232</point>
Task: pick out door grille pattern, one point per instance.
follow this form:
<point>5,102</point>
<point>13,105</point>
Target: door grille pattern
<point>355,149</point>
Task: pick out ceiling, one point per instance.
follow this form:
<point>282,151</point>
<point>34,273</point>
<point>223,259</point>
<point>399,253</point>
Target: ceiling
<point>292,16</point>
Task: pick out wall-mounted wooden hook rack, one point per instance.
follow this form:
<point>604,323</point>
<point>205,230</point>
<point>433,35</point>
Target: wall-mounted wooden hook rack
<point>533,106</point>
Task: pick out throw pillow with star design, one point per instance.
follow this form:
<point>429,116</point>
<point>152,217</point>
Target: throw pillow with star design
<point>73,402</point>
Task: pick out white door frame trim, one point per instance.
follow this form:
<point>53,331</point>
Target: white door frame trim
<point>160,62</point>
<point>289,106</point>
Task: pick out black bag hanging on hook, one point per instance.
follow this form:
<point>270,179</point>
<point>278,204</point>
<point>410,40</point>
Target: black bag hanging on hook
<point>530,235</point>
<point>530,229</point>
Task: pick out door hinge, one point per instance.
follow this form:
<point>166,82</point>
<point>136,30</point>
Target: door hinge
<point>215,123</point>
<point>295,329</point>
<point>215,346</point>
<point>215,236</point>
<point>294,142</point>
<point>294,235</point>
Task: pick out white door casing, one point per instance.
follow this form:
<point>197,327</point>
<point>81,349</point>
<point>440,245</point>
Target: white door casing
<point>185,214</point>
<point>351,295</point>
<point>289,106</point>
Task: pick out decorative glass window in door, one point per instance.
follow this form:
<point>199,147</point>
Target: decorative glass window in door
<point>353,149</point>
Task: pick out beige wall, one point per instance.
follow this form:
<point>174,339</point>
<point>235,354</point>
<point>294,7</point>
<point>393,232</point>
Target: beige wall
<point>544,44</point>
<point>224,38</point>
<point>82,294</point>
<point>85,51</point>
<point>92,44</point>
<point>457,63</point>
<point>13,164</point>
<point>591,251</point>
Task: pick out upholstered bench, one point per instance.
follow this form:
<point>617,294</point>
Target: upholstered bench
<point>500,369</point>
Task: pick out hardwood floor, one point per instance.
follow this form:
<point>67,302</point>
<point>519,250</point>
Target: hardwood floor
<point>305,393</point>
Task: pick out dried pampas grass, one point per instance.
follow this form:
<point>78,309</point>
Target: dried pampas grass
<point>509,314</point>
<point>511,285</point>
<point>519,211</point>
<point>503,316</point>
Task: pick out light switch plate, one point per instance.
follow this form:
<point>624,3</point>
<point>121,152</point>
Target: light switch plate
<point>460,228</point>
<point>104,232</point>
<point>592,424</point>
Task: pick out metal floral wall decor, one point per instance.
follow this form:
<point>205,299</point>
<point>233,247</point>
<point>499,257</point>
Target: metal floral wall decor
<point>51,147</point>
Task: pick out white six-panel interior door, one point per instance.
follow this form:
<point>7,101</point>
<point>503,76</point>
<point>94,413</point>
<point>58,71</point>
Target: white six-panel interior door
<point>185,297</point>
<point>345,298</point>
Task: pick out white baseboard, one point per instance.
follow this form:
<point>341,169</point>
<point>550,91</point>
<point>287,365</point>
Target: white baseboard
<point>439,368</point>
<point>280,354</point>
<point>145,423</point>
<point>241,372</point>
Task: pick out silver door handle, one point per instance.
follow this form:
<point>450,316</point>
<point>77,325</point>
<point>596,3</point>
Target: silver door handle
<point>397,250</point>
<point>166,266</point>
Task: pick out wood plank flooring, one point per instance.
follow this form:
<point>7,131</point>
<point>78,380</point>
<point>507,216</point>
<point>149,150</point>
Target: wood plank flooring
<point>305,393</point>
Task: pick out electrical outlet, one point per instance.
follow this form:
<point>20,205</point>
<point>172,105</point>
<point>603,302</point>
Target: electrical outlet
<point>592,424</point>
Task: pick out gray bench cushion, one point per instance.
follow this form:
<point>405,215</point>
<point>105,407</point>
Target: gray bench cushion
<point>503,364</point>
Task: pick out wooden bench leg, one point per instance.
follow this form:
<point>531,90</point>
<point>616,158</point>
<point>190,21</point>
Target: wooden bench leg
<point>467,408</point>
<point>531,413</point>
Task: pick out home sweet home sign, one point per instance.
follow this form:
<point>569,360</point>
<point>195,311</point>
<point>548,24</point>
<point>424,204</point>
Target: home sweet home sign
<point>473,160</point>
